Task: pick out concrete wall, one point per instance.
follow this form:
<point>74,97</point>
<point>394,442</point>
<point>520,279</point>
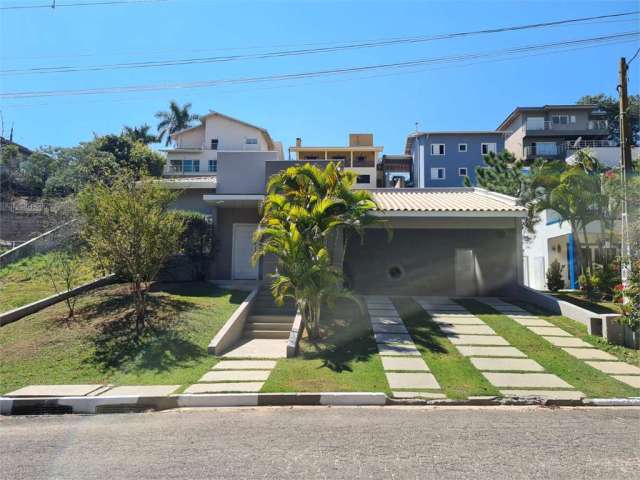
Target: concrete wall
<point>226,218</point>
<point>191,200</point>
<point>242,172</point>
<point>426,258</point>
<point>453,159</point>
<point>232,135</point>
<point>41,244</point>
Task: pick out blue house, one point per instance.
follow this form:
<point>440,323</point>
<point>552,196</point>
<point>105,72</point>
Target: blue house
<point>443,159</point>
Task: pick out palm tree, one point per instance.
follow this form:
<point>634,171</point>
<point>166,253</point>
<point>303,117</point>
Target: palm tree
<point>304,209</point>
<point>176,119</point>
<point>140,134</point>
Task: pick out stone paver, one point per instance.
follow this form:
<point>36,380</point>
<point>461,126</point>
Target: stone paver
<point>55,391</point>
<point>457,320</point>
<point>394,328</point>
<point>468,351</point>
<point>618,368</point>
<point>478,340</point>
<point>259,348</point>
<point>245,365</point>
<point>551,394</point>
<point>589,353</point>
<point>224,387</point>
<point>395,338</point>
<point>467,329</point>
<point>412,380</point>
<point>507,364</point>
<point>404,364</point>
<point>550,331</point>
<point>235,376</point>
<point>432,395</point>
<point>567,342</point>
<point>631,380</point>
<point>526,380</point>
<point>141,390</point>
<point>390,349</point>
<point>532,321</point>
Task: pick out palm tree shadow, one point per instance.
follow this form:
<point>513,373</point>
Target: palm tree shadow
<point>424,331</point>
<point>346,337</point>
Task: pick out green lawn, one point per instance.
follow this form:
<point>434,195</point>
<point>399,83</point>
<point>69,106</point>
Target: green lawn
<point>99,347</point>
<point>346,360</point>
<point>580,299</point>
<point>25,281</point>
<point>456,375</point>
<point>583,377</point>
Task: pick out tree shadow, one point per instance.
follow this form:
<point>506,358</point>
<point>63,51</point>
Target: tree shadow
<point>423,330</point>
<point>346,337</point>
<point>163,345</point>
<point>198,289</point>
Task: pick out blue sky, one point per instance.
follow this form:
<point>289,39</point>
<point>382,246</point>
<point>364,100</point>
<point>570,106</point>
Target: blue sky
<point>322,110</point>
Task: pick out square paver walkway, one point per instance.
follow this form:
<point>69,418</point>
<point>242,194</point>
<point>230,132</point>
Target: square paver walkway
<point>589,353</point>
<point>550,331</point>
<point>235,376</point>
<point>245,365</point>
<point>507,364</point>
<point>467,329</point>
<point>477,340</point>
<point>469,351</point>
<point>631,380</point>
<point>410,364</point>
<point>259,348</point>
<point>457,320</point>
<point>390,349</point>
<point>394,338</point>
<point>618,368</point>
<point>412,381</point>
<point>567,342</point>
<point>526,380</point>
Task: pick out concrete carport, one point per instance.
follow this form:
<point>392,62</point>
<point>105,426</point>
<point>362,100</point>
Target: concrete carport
<point>449,241</point>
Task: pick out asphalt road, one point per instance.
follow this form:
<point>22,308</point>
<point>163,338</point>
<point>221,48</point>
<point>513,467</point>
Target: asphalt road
<point>332,443</point>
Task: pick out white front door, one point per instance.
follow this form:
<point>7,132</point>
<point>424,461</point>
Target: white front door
<point>241,252</point>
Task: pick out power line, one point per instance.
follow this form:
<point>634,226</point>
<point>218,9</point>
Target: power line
<point>304,51</point>
<point>54,5</point>
<point>584,42</point>
<point>634,57</point>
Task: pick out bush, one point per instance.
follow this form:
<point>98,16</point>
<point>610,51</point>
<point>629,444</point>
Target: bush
<point>554,276</point>
<point>199,242</point>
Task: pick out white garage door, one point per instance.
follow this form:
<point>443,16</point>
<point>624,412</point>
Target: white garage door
<point>242,250</point>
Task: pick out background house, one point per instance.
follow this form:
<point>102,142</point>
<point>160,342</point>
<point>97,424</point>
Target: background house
<point>443,159</point>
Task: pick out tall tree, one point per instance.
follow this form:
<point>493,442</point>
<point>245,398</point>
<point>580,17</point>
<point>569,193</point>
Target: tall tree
<point>610,105</point>
<point>175,119</point>
<point>304,208</point>
<point>139,134</point>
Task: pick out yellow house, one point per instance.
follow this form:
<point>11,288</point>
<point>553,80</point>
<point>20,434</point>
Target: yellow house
<point>360,156</point>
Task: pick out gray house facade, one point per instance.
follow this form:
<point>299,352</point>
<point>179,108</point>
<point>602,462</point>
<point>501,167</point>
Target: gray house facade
<point>443,159</point>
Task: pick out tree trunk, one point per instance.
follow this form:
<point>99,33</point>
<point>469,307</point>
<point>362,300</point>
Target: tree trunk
<point>586,242</point>
<point>139,306</point>
<point>311,316</point>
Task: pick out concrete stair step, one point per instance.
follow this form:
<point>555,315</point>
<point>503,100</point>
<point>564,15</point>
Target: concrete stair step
<point>277,311</point>
<point>270,319</point>
<point>253,327</point>
<point>266,334</point>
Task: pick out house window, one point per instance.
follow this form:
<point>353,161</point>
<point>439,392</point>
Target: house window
<point>462,172</point>
<point>437,149</point>
<point>190,166</point>
<point>176,165</point>
<point>214,143</point>
<point>462,147</point>
<point>486,148</point>
<point>363,179</point>
<point>213,165</point>
<point>438,174</point>
<point>251,141</point>
<point>560,119</point>
<point>311,157</point>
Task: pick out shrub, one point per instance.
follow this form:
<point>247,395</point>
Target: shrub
<point>199,243</point>
<point>554,276</point>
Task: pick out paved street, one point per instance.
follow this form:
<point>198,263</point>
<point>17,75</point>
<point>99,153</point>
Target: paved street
<point>389,442</point>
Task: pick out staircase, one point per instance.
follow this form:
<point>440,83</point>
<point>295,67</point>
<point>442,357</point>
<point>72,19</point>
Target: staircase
<point>268,320</point>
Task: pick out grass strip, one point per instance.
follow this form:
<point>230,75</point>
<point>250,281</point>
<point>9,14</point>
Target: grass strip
<point>345,359</point>
<point>456,375</point>
<point>577,373</point>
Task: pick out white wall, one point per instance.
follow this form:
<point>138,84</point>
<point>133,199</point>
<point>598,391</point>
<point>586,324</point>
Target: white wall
<point>232,135</point>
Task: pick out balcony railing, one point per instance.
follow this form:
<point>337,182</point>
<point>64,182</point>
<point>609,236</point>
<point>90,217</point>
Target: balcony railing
<point>547,125</point>
<point>251,147</point>
<point>579,145</point>
<point>552,150</point>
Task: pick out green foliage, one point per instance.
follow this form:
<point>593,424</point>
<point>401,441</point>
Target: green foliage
<point>304,208</point>
<point>555,281</point>
<point>130,231</point>
<point>611,106</point>
<point>199,241</point>
<point>175,119</point>
<point>139,134</point>
<point>63,269</point>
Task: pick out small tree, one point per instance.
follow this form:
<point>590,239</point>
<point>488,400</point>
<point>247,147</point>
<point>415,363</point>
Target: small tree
<point>198,242</point>
<point>131,231</point>
<point>554,276</point>
<point>64,272</point>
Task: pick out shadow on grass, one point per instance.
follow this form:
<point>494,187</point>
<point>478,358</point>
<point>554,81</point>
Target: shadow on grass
<point>164,344</point>
<point>346,337</point>
<point>198,289</point>
<point>423,330</point>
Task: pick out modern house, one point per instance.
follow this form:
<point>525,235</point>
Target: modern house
<point>443,159</point>
<point>361,156</point>
<point>554,131</point>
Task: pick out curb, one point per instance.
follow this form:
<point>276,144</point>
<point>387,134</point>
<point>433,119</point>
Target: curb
<point>129,404</point>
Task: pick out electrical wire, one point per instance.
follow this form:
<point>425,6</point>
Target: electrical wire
<point>593,41</point>
<point>54,5</point>
<point>299,52</point>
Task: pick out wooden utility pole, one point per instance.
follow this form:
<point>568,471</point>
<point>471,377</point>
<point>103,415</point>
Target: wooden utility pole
<point>626,169</point>
<point>625,131</point>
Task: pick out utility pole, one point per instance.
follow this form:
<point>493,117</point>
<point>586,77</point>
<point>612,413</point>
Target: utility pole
<point>625,169</point>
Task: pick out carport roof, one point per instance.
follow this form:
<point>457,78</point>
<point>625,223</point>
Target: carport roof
<point>445,202</point>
